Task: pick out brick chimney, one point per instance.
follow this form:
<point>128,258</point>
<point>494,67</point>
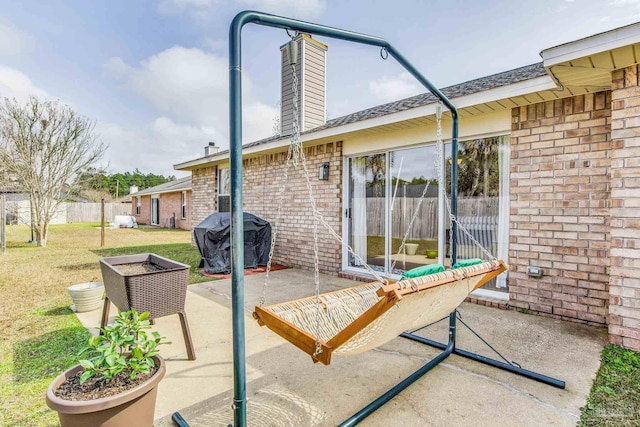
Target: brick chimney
<point>311,73</point>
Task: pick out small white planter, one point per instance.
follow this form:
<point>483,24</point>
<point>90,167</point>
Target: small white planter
<point>86,296</point>
<point>410,248</point>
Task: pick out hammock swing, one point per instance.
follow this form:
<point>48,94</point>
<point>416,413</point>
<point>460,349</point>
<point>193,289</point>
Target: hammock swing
<point>360,318</point>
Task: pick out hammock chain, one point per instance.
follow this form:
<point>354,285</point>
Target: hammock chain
<point>299,159</point>
<point>274,236</point>
<point>406,234</point>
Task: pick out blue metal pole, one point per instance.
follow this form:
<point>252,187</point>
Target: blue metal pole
<point>491,362</point>
<point>235,158</point>
<point>237,226</point>
<point>395,390</point>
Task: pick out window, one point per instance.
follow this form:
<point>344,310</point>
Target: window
<point>184,205</point>
<point>138,206</point>
<point>224,190</point>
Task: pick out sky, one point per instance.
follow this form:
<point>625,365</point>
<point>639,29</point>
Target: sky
<point>153,74</point>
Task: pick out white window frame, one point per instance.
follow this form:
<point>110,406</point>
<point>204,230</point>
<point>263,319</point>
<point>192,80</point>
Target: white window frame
<point>138,205</point>
<point>184,205</point>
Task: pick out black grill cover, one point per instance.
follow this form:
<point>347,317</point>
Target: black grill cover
<point>213,237</point>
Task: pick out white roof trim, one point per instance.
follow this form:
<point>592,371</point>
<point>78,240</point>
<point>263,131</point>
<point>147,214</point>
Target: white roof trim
<point>592,45</point>
<point>513,90</point>
<point>156,192</point>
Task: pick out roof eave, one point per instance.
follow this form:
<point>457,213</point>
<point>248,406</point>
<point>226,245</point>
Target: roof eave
<point>594,44</point>
<point>516,89</point>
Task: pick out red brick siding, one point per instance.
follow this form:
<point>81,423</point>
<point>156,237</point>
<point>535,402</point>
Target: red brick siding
<point>560,207</point>
<point>263,177</point>
<point>624,289</point>
<point>145,209</point>
<point>170,205</point>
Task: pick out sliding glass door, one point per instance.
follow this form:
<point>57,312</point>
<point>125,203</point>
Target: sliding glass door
<point>413,209</point>
<point>483,200</point>
<point>394,196</point>
<point>367,210</point>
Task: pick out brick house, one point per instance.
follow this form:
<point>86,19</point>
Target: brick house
<point>550,172</point>
<point>166,205</point>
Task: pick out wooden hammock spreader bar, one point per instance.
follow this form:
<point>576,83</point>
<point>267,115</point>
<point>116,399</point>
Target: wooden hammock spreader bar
<point>490,273</point>
<point>307,342</point>
<point>389,295</point>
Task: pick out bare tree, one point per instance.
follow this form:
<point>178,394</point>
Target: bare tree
<point>44,145</point>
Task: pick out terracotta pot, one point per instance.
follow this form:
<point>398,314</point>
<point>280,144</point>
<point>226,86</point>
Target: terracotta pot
<point>134,407</point>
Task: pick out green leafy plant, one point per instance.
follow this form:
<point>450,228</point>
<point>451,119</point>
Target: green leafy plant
<point>124,346</point>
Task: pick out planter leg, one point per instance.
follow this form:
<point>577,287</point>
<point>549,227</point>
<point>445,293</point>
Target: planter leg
<point>187,336</point>
<point>105,312</point>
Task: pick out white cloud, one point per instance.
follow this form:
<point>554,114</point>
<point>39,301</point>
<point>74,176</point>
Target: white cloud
<point>15,84</point>
<point>207,9</point>
<point>153,147</point>
<point>397,87</point>
<point>295,8</point>
<point>214,45</point>
<point>191,86</point>
<point>13,41</point>
<point>624,2</point>
<point>195,9</point>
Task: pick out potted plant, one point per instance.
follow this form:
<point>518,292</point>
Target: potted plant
<point>117,384</point>
<point>86,296</point>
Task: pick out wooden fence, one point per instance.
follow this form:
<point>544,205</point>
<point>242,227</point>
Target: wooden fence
<point>19,212</point>
<point>425,225</point>
<point>90,212</point>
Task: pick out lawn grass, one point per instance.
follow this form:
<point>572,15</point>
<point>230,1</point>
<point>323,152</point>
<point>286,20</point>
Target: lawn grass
<point>40,336</point>
<point>375,245</point>
<point>614,400</point>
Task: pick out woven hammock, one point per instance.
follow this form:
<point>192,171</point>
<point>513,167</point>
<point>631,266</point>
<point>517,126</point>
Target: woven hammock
<point>360,318</point>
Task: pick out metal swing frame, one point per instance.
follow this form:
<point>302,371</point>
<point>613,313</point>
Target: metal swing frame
<point>237,225</point>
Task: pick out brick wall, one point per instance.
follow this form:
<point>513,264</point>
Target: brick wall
<point>204,193</point>
<point>624,301</point>
<point>145,209</point>
<point>170,205</point>
<point>263,177</point>
<point>560,213</point>
<point>262,181</point>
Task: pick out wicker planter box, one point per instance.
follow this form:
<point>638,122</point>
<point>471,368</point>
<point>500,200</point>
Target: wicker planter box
<point>147,282</point>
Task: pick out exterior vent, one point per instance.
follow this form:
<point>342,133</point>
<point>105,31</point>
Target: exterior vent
<point>311,73</point>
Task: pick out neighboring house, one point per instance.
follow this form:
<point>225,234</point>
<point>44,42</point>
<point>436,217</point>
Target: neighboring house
<point>166,205</point>
<point>550,172</point>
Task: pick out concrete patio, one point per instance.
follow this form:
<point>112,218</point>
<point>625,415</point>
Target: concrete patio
<point>286,389</point>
